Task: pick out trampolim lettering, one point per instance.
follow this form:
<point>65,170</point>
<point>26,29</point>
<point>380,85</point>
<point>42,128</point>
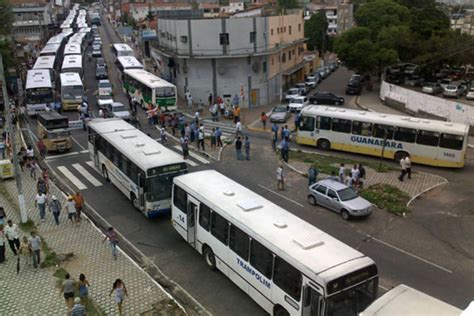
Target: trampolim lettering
<point>376,142</point>
<point>254,273</point>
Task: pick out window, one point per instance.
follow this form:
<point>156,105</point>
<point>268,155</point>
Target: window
<point>361,128</point>
<point>253,37</point>
<point>134,172</point>
<point>427,138</point>
<point>451,141</point>
<point>271,32</point>
<point>307,123</point>
<point>332,194</point>
<point>289,29</point>
<point>219,227</point>
<point>289,55</point>
<point>278,30</point>
<point>261,259</point>
<point>299,27</point>
<point>204,216</point>
<point>403,134</point>
<point>108,150</point>
<point>264,66</point>
<point>239,242</point>
<point>323,122</point>
<point>283,57</point>
<point>224,38</point>
<point>321,189</point>
<point>125,166</point>
<point>341,125</point>
<point>273,61</point>
<point>287,278</point>
<point>383,131</point>
<point>184,39</point>
<point>284,29</point>
<point>180,198</point>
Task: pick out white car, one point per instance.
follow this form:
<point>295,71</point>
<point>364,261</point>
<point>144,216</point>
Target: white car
<point>117,109</point>
<point>470,94</point>
<point>104,99</point>
<point>292,93</point>
<point>297,104</point>
<point>452,91</point>
<point>105,87</point>
<point>445,82</point>
<point>311,82</point>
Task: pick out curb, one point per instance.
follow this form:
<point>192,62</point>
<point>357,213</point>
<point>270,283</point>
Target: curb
<point>416,196</point>
<point>258,129</point>
<point>363,107</point>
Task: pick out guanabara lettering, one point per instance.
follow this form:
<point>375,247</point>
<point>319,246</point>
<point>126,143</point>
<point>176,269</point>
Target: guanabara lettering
<point>376,142</point>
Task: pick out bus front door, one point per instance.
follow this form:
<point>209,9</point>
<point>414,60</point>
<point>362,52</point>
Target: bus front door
<point>312,302</point>
<point>191,220</point>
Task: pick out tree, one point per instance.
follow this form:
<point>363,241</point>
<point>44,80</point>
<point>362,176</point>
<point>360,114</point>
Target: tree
<point>283,5</point>
<point>6,43</point>
<point>315,29</point>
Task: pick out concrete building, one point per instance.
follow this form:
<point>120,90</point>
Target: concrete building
<point>259,55</point>
<point>464,23</point>
<point>339,14</point>
<point>32,20</point>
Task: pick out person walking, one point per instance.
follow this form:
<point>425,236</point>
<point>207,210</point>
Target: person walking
<point>34,244</point>
<point>33,168</point>
<point>67,290</point>
<point>201,137</point>
<point>342,173</point>
<point>112,236</point>
<point>285,149</point>
<point>41,186</point>
<point>40,203</point>
<point>247,148</point>
<point>79,203</point>
<point>219,137</point>
<point>312,175</point>
<point>189,100</point>
<point>120,291</point>
<point>408,166</point>
<point>361,176</point>
<point>403,169</point>
<point>185,146</point>
<point>41,148</point>
<point>238,128</point>
<point>70,208</point>
<point>25,251</point>
<point>163,138</point>
<point>213,139</point>
<point>263,119</point>
<point>237,114</point>
<point>83,287</point>
<point>55,208</point>
<point>2,244</point>
<point>355,176</point>
<point>280,178</point>
<point>238,148</point>
<point>78,309</point>
<point>11,232</point>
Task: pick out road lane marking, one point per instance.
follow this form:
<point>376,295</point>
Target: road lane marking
<point>86,174</point>
<point>410,254</point>
<point>62,155</point>
<point>91,164</point>
<point>191,163</point>
<point>281,195</point>
<point>84,151</point>
<point>78,144</point>
<point>72,178</point>
<point>195,156</point>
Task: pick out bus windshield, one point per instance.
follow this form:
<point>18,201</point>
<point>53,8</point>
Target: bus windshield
<point>39,95</point>
<point>72,92</point>
<point>353,300</point>
<point>59,134</point>
<point>159,187</point>
<point>165,92</point>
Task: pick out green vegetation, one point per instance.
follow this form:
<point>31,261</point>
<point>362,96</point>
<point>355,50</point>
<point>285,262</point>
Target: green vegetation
<point>315,29</point>
<point>50,257</point>
<point>27,227</point>
<point>283,5</point>
<point>387,197</point>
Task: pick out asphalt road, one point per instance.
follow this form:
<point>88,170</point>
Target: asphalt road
<point>419,252</point>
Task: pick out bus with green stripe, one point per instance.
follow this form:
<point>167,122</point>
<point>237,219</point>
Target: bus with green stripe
<point>150,89</point>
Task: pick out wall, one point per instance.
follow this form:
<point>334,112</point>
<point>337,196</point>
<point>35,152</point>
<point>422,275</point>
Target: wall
<point>285,21</point>
<point>422,104</point>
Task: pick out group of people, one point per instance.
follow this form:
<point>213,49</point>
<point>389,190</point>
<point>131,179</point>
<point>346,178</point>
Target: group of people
<point>217,107</point>
<point>76,305</point>
<point>355,178</point>
<point>73,206</point>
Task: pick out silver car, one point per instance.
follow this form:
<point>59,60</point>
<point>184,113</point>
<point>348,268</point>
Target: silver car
<point>280,114</point>
<point>339,198</point>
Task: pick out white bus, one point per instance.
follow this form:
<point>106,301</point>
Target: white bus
<point>285,264</point>
<point>49,63</point>
<point>72,90</point>
<point>150,89</point>
<point>404,300</point>
<point>39,91</point>
<point>77,39</point>
<point>50,50</point>
<point>72,63</point>
<point>428,142</point>
<point>58,39</point>
<point>128,62</point>
<point>137,165</point>
<point>122,50</point>
<point>72,49</point>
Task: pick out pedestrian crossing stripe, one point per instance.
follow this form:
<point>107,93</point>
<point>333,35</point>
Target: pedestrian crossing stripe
<point>89,177</point>
<point>74,180</point>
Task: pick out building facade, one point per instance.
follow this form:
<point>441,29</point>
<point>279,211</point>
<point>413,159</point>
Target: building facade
<point>32,20</point>
<point>258,56</point>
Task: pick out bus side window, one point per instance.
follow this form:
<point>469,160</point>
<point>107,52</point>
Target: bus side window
<point>451,141</point>
<point>427,138</point>
<point>383,131</point>
<point>204,216</point>
<point>287,278</point>
<point>323,122</point>
<point>307,124</point>
<point>141,179</point>
<point>361,128</point>
<point>180,198</point>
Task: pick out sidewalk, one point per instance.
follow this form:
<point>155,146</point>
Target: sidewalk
<point>36,293</point>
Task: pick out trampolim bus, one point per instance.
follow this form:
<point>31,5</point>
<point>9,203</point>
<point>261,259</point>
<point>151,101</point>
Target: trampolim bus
<point>39,91</point>
<point>429,142</point>
<point>140,167</point>
<point>148,88</point>
<point>286,265</point>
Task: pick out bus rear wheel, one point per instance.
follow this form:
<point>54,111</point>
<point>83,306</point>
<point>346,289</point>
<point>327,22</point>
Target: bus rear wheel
<point>324,144</point>
<point>209,257</point>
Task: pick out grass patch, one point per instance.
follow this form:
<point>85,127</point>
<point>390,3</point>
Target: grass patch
<point>50,257</point>
<point>27,227</point>
<point>387,197</point>
<point>328,164</point>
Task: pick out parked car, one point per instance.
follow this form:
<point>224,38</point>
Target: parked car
<point>326,98</point>
<point>101,73</point>
<point>96,53</point>
<point>279,114</point>
<point>432,88</point>
<point>452,91</point>
<point>445,82</point>
<point>297,104</point>
<point>302,88</point>
<point>101,62</point>
<point>466,85</point>
<point>410,69</point>
<point>354,87</point>
<point>292,93</point>
<point>105,86</point>
<point>339,198</point>
<point>333,65</point>
<point>397,78</point>
<point>96,46</point>
<point>311,82</point>
<point>414,81</point>
<point>322,73</point>
<point>117,109</point>
<point>104,99</point>
<point>470,94</point>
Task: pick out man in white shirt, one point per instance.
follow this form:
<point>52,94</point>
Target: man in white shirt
<point>280,178</point>
<point>408,166</point>
<point>40,202</point>
<point>403,168</point>
<point>342,172</point>
<point>238,128</point>
<point>11,231</point>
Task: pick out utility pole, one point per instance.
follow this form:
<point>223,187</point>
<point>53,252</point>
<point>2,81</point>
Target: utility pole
<point>12,132</point>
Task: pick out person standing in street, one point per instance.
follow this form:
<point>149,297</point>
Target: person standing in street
<point>41,148</point>
<point>112,236</point>
<point>71,210</point>
<point>238,148</point>
<point>40,203</point>
<point>2,244</point>
<point>189,99</point>
<point>67,290</point>
<point>408,166</point>
<point>201,137</point>
<point>25,251</point>
<point>284,148</point>
<point>247,148</point>
<point>403,169</point>
<point>120,291</point>
<point>312,175</point>
<point>280,178</point>
<point>11,232</point>
<point>185,146</point>
<point>219,137</point>
<point>361,176</point>
<point>238,128</point>
<point>79,203</point>
<point>78,309</point>
<point>263,119</point>
<point>83,287</point>
<point>213,139</point>
<point>35,246</point>
<point>342,173</point>
<point>55,208</point>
